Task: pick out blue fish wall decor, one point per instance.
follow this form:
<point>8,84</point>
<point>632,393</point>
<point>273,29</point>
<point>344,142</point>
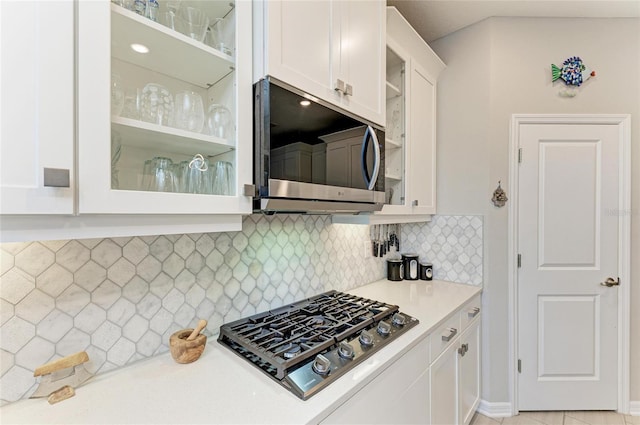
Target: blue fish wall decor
<point>573,72</point>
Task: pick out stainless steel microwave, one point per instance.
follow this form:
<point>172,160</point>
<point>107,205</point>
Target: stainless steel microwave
<point>312,157</point>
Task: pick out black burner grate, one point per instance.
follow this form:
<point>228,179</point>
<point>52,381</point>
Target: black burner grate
<point>280,340</point>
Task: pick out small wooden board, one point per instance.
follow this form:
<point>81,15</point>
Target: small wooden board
<point>61,394</point>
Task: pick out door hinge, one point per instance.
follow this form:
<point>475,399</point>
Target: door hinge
<point>519,260</point>
<point>519,155</point>
<point>519,366</point>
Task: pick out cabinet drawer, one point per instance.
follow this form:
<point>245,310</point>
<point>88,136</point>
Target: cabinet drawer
<point>470,311</point>
<point>444,335</point>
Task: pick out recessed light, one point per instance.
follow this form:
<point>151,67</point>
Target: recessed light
<point>140,48</point>
<point>305,102</point>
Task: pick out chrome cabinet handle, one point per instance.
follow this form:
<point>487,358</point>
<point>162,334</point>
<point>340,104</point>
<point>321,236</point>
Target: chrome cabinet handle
<point>56,177</point>
<point>473,312</point>
<point>415,203</point>
<point>348,90</point>
<point>249,190</point>
<point>463,349</point>
<point>339,86</point>
<point>451,334</point>
<point>610,282</point>
<point>370,182</point>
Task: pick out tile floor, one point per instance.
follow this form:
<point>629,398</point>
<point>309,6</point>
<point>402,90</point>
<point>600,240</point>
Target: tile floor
<point>560,418</point>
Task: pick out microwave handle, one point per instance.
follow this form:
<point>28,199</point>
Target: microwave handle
<point>370,133</point>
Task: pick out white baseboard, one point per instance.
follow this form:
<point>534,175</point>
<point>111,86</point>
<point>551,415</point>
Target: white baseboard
<point>495,410</point>
<point>503,409</point>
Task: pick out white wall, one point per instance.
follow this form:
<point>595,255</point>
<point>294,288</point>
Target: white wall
<point>499,67</point>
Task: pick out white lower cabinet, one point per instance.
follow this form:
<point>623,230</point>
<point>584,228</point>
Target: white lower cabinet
<point>455,375</point>
<point>443,382</point>
<point>469,373</point>
<point>399,395</point>
<point>455,380</point>
<point>436,382</point>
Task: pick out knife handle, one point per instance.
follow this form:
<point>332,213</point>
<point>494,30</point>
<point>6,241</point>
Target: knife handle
<point>63,363</point>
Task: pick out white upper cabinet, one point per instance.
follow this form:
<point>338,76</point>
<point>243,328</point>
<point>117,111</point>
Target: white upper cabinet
<point>143,132</point>
<point>412,69</point>
<point>106,111</point>
<point>331,49</point>
<point>36,110</point>
<point>411,119</point>
<point>421,172</point>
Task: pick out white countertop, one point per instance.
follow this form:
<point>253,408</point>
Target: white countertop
<point>223,388</point>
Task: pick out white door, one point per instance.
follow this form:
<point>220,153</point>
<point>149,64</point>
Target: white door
<point>568,241</point>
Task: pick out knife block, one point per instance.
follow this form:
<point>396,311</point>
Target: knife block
<point>184,351</point>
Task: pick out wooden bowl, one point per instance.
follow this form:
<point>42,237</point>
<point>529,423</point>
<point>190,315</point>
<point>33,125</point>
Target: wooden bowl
<point>184,351</point>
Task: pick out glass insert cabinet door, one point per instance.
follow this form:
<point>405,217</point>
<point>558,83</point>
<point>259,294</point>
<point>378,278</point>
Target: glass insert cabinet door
<point>164,113</point>
<point>395,180</point>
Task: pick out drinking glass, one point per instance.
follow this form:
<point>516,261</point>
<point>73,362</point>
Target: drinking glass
<point>199,179</point>
<point>132,99</point>
<point>219,122</point>
<point>156,105</point>
<point>189,113</point>
<point>173,6</point>
<point>222,178</point>
<point>147,171</point>
<point>116,149</point>
<point>218,39</point>
<point>162,178</point>
<point>117,95</point>
<point>194,22</point>
<point>181,173</point>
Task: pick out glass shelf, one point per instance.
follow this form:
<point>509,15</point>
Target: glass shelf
<point>201,65</point>
<point>167,139</point>
<point>392,144</point>
<point>392,91</point>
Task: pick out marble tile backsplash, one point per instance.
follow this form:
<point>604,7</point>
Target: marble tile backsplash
<point>120,299</point>
<point>453,244</point>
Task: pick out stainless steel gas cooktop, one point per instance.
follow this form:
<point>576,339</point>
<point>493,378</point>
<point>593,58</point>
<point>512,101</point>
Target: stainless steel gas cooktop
<point>306,345</point>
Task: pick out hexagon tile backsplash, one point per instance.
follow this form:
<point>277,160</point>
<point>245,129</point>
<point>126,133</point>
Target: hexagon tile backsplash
<point>453,244</point>
<point>121,298</point>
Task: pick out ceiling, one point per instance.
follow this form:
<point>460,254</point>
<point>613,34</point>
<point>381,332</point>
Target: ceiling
<point>433,19</point>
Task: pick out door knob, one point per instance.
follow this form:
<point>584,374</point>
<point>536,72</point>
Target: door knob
<point>610,282</point>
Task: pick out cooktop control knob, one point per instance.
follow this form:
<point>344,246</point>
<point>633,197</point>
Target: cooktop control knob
<point>384,328</point>
<point>399,319</point>
<point>345,350</point>
<point>321,365</point>
<point>366,339</point>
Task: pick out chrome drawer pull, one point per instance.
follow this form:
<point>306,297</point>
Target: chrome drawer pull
<point>473,312</point>
<point>451,334</point>
<point>56,177</point>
